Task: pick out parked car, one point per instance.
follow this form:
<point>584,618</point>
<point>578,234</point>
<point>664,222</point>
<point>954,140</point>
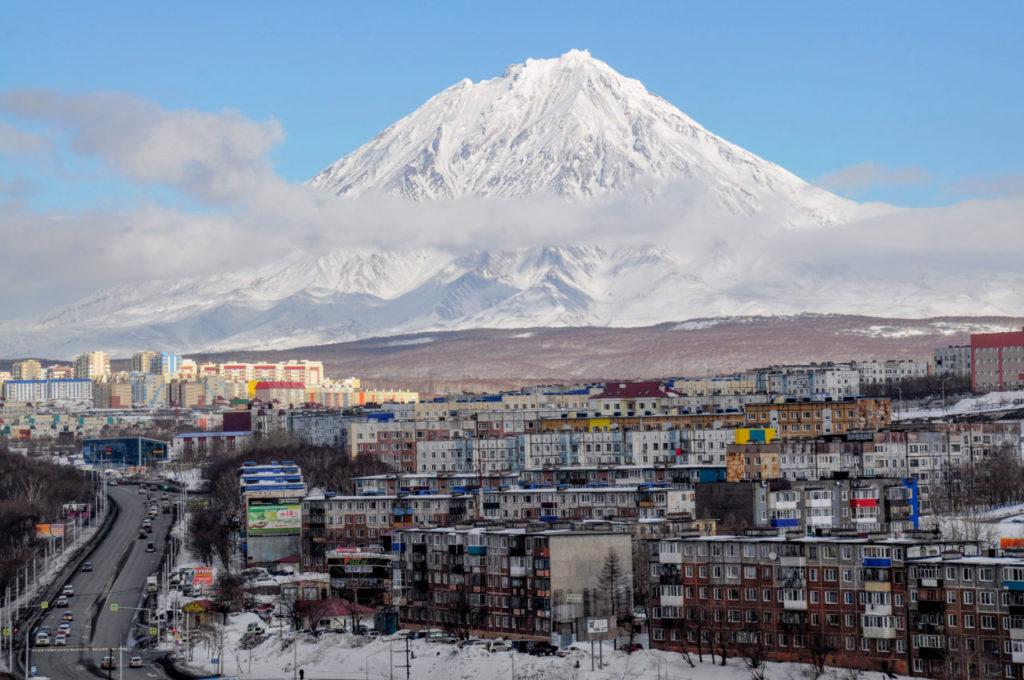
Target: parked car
<point>135,662</point>
<point>470,643</point>
<point>87,566</point>
<point>255,628</point>
<point>543,648</point>
<point>108,662</point>
<point>498,646</point>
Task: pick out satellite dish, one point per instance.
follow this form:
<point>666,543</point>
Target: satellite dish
<point>773,556</point>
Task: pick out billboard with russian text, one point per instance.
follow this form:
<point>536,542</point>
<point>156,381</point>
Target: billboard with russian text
<point>264,518</point>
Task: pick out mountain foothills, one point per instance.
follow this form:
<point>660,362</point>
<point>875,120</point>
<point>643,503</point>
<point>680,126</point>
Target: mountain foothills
<point>595,203</point>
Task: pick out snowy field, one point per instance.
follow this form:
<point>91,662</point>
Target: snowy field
<point>348,657</point>
<point>992,401</point>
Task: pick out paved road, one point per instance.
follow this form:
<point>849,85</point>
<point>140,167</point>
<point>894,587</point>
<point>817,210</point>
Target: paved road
<point>95,591</point>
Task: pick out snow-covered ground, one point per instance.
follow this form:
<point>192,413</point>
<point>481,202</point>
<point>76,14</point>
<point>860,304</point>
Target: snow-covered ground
<point>338,656</point>
<point>992,401</point>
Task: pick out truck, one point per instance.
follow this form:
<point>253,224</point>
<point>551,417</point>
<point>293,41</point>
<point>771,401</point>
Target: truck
<point>152,584</point>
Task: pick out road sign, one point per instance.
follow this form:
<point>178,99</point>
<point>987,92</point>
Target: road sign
<point>7,631</point>
<point>45,604</point>
<point>215,660</point>
<point>113,607</point>
<point>152,631</point>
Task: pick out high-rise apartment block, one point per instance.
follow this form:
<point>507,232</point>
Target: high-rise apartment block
<point>91,365</point>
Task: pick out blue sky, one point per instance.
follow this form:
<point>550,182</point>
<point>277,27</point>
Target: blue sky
<point>922,99</point>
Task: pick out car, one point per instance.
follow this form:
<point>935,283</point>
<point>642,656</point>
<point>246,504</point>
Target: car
<point>635,647</point>
<point>163,496</point>
<point>68,616</point>
<point>113,482</point>
<point>68,590</point>
<point>264,577</point>
<point>254,628</point>
<point>150,547</point>
<point>108,662</point>
<point>498,646</point>
<point>64,627</point>
<point>61,640</point>
<point>87,566</point>
<point>42,639</point>
<point>62,601</point>
<point>543,648</point>
<point>143,534</point>
<point>44,629</point>
<point>135,662</point>
<point>142,489</point>
<point>470,643</point>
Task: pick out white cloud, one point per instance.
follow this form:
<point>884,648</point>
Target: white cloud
<point>1004,184</point>
<point>212,158</point>
<point>862,177</point>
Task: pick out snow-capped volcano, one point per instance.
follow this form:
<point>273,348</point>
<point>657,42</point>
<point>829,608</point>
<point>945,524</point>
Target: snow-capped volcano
<point>572,127</point>
<point>654,219</point>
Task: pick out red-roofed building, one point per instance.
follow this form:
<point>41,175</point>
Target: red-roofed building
<point>283,391</point>
<point>331,614</point>
<point>638,397</point>
<point>997,361</point>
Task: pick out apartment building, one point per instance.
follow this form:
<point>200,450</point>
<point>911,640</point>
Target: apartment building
<point>954,360</point>
<point>849,600</point>
<point>27,369</point>
<point>91,365</point>
<point>997,361</point>
<point>812,506</point>
<point>890,370</point>
<point>528,581</point>
<point>794,418</point>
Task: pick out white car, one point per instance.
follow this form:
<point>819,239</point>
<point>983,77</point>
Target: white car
<point>135,662</point>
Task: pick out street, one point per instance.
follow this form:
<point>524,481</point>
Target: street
<point>95,629</point>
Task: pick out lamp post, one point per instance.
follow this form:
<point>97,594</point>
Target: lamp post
<point>943,383</point>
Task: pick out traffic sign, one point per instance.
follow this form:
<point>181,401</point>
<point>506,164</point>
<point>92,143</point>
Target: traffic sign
<point>113,607</point>
<point>152,631</point>
<point>45,604</point>
<point>215,660</point>
<point>6,631</point>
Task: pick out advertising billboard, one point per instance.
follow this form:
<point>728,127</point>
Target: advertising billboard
<point>203,576</point>
<point>269,517</point>
<point>49,530</point>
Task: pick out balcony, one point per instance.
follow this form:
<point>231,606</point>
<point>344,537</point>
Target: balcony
<point>1014,586</point>
<point>793,560</point>
<point>878,609</point>
<point>670,558</point>
<point>929,582</point>
<point>880,633</point>
<point>476,549</point>
<point>794,605</point>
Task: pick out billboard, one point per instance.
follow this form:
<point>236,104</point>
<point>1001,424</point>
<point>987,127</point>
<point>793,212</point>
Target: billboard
<point>49,530</point>
<point>595,626</point>
<point>268,517</point>
<point>203,576</point>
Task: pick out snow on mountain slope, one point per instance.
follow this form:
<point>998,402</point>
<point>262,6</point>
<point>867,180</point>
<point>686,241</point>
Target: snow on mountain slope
<point>346,295</point>
<point>572,127</point>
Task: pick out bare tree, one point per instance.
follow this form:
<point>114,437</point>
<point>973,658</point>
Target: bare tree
<point>751,647</point>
